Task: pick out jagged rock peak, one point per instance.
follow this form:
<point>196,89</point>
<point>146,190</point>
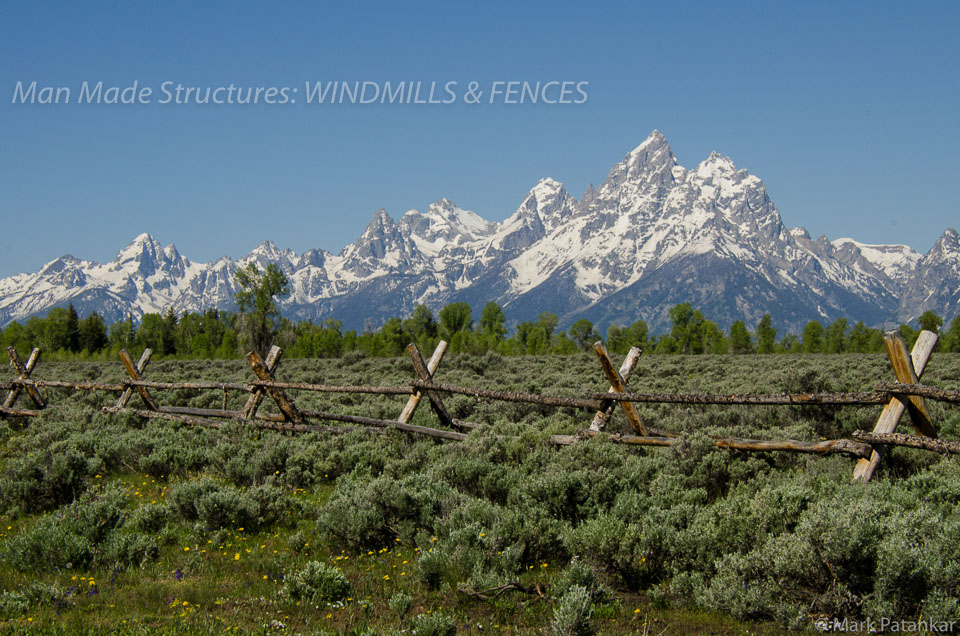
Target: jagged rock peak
<point>141,245</point>
<point>652,160</point>
<point>380,223</point>
<point>947,246</point>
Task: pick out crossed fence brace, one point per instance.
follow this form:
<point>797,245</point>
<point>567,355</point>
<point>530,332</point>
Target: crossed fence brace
<point>907,369</point>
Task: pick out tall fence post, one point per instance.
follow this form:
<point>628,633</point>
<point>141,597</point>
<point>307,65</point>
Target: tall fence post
<point>602,418</point>
<point>616,382</point>
<point>905,368</point>
<point>134,372</point>
<point>141,365</point>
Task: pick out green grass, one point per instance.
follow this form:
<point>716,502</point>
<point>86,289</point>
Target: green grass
<point>685,541</point>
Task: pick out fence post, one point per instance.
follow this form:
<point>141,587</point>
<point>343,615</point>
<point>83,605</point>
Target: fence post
<point>616,382</point>
<point>287,407</point>
<point>141,365</point>
<point>24,370</point>
<point>256,395</point>
<point>602,417</point>
<point>911,368</point>
<point>134,373</point>
<point>407,413</point>
<point>423,372</point>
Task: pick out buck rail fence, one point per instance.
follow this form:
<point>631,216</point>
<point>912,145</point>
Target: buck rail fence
<point>906,394</point>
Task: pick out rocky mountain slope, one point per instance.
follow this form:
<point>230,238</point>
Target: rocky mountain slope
<point>652,235</point>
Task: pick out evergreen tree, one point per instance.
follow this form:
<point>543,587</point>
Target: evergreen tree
<point>951,338</point>
<point>835,340</point>
<point>740,340</point>
<point>92,333</point>
<point>766,335</point>
<point>687,330</point>
<point>73,329</point>
<point>813,337</point>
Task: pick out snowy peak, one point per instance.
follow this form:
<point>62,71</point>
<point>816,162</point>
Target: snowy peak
<point>653,234</point>
<point>145,256</point>
<point>947,247</point>
<point>267,252</point>
<point>896,262</point>
<point>652,158</point>
<point>382,247</point>
<point>444,226</point>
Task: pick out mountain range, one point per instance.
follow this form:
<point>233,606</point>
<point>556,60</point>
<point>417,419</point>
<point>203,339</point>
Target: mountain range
<point>652,235</point>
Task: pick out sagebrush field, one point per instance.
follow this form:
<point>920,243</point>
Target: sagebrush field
<point>114,523</point>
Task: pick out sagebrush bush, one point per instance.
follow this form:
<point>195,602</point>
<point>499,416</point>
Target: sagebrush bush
<point>43,480</point>
<point>150,517</point>
<point>577,573</point>
<point>73,537</point>
<point>15,603</point>
<point>401,603</point>
<point>572,614</point>
<point>369,513</point>
<point>317,583</point>
<point>435,624</point>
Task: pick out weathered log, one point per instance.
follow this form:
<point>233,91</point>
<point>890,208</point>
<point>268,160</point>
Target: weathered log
<point>221,413</point>
<point>844,446</point>
<point>198,421</point>
<point>933,393</point>
<point>893,411</point>
<point>134,374</point>
<point>141,365</point>
<point>10,411</point>
<point>256,394</point>
<point>66,384</point>
<point>286,406</point>
<point>602,418</point>
<point>508,396</point>
<point>752,399</point>
<point>408,409</point>
<point>912,441</point>
<point>617,383</point>
<point>24,371</point>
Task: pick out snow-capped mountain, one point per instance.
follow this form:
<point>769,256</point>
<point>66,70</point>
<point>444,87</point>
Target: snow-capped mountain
<point>652,235</point>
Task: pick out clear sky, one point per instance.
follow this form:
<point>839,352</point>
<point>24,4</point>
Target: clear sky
<point>847,110</point>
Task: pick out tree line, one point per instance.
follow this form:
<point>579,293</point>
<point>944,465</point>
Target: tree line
<point>219,334</point>
<point>257,324</point>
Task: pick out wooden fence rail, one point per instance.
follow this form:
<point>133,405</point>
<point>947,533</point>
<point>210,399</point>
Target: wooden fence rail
<point>905,396</point>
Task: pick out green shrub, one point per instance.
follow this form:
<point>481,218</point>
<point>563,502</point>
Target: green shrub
<point>128,549</point>
<point>151,517</point>
<point>71,537</point>
<point>14,604</point>
<point>577,573</point>
<point>435,624</point>
<point>573,612</point>
<point>369,514</point>
<point>43,480</point>
<point>317,583</point>
<point>226,507</point>
<point>401,603</point>
<point>432,568</point>
<point>184,496</point>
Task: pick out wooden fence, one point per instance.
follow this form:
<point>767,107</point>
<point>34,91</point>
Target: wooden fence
<point>904,395</point>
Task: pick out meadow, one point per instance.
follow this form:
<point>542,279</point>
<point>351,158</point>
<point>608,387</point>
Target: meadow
<point>115,523</point>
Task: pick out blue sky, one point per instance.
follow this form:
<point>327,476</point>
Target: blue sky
<point>846,110</point>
